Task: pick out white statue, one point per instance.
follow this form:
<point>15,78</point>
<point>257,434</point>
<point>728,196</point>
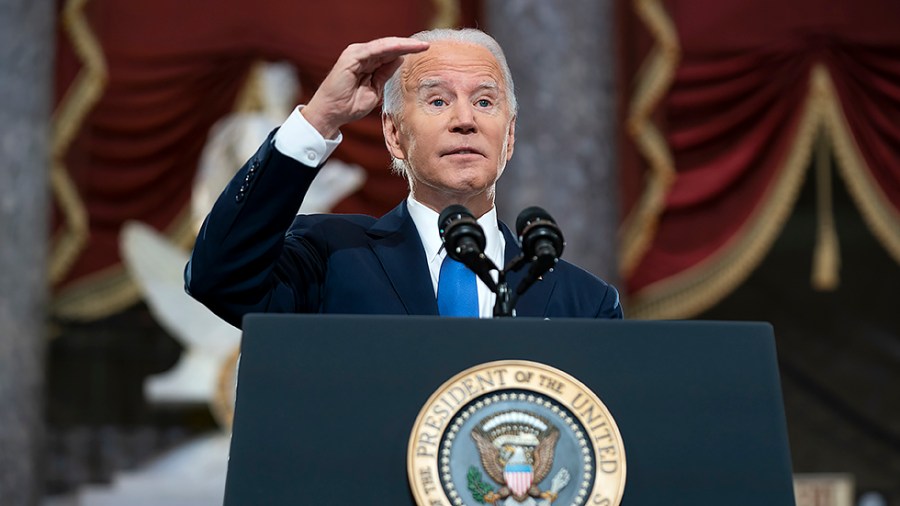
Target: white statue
<point>157,265</point>
<point>195,472</point>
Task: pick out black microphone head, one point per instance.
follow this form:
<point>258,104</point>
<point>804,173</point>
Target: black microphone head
<point>539,234</point>
<point>451,214</point>
<point>530,215</point>
<point>462,235</point>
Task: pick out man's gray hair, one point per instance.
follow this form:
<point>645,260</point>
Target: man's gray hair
<point>393,89</point>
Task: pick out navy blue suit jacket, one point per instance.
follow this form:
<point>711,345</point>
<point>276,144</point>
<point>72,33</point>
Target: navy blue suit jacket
<point>254,255</point>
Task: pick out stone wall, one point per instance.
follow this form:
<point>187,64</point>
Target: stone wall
<point>26,59</point>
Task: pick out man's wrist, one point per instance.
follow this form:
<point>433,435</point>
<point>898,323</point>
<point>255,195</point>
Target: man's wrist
<point>321,122</point>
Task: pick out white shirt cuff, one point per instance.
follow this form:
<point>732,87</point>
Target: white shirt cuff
<point>301,141</point>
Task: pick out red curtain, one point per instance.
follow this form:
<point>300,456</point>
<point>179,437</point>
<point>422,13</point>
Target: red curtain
<point>140,83</point>
<point>752,86</point>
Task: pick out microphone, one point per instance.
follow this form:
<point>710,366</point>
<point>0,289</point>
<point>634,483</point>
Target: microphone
<point>462,235</point>
<point>464,241</point>
<point>542,243</point>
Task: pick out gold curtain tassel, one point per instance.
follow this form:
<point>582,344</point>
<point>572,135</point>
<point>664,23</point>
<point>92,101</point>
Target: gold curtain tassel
<point>827,254</point>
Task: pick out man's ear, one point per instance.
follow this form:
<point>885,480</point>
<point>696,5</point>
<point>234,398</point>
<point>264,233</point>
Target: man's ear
<point>391,129</point>
<point>511,139</point>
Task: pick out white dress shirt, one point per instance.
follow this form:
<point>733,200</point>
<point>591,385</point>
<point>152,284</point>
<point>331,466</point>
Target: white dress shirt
<point>301,141</point>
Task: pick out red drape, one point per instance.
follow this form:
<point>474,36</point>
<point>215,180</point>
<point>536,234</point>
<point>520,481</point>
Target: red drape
<point>149,79</point>
<point>737,115</point>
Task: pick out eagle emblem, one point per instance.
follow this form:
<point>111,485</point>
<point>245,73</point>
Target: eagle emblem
<point>516,450</point>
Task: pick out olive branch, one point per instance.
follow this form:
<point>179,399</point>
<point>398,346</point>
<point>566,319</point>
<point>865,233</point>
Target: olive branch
<point>478,487</point>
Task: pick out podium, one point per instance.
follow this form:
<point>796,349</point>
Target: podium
<point>326,404</point>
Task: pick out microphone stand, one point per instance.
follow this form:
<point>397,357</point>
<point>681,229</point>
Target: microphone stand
<point>506,299</point>
<point>504,306</point>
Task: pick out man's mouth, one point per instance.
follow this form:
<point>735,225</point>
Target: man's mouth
<point>462,151</point>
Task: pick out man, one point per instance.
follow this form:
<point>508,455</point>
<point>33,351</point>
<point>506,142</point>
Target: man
<point>449,120</point>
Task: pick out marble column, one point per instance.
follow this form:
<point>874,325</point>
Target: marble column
<point>561,56</point>
<point>26,80</point>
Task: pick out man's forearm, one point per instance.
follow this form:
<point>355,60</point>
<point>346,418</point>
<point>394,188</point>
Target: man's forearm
<point>240,243</point>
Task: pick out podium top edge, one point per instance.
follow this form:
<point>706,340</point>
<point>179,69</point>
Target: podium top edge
<point>256,317</point>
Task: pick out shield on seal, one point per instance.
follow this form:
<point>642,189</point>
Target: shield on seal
<point>518,478</point>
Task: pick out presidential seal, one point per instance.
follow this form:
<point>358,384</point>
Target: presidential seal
<point>513,433</point>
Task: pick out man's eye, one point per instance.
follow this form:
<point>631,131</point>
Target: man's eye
<point>484,103</point>
<point>439,102</point>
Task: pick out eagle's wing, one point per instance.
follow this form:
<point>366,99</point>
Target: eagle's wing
<point>543,455</point>
<point>490,457</point>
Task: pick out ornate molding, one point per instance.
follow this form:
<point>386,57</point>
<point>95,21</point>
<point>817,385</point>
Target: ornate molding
<point>79,99</point>
<point>653,81</point>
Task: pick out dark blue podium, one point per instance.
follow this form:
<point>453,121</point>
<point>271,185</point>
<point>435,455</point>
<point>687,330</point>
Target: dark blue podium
<point>325,404</point>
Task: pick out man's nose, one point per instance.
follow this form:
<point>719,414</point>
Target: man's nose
<point>463,119</point>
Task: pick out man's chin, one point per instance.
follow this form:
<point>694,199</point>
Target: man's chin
<point>460,190</point>
<point>476,169</point>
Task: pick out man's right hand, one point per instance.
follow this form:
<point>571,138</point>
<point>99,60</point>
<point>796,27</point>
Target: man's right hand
<point>356,82</point>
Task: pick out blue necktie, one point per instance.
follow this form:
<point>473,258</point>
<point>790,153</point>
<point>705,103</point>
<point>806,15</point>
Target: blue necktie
<point>457,291</point>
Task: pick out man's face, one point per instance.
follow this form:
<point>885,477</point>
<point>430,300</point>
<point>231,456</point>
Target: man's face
<point>455,129</point>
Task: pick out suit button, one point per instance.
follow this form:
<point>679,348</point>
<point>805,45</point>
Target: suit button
<point>248,177</point>
<point>254,165</point>
<point>239,197</point>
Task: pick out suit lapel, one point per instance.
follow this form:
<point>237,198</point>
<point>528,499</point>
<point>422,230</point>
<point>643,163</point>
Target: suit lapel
<point>395,241</point>
<point>534,302</point>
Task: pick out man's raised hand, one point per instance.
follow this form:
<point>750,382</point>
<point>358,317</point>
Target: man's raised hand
<point>356,82</point>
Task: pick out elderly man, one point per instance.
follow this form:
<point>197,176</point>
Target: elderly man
<point>449,119</point>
